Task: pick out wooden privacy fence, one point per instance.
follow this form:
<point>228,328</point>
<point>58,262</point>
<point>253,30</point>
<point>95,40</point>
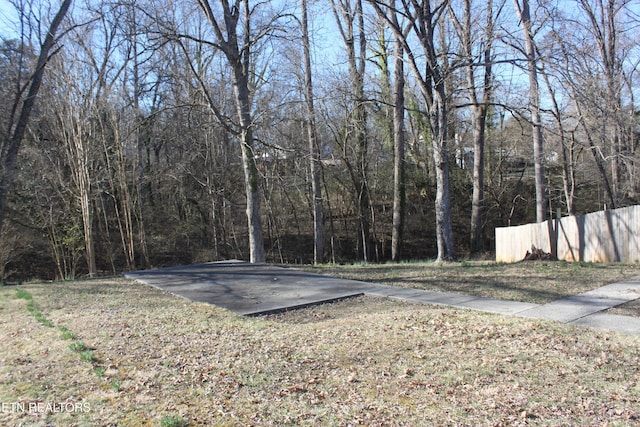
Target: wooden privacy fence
<point>605,236</point>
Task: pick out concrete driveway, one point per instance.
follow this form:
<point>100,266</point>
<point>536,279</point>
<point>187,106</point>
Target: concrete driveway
<point>249,289</point>
<point>255,289</point>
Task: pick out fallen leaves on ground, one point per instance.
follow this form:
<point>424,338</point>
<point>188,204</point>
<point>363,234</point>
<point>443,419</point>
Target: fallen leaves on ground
<point>362,361</point>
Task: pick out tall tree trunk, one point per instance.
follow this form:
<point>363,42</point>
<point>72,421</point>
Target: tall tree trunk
<point>314,149</point>
<point>76,133</point>
<point>422,19</point>
<point>534,102</point>
<point>350,21</point>
<point>251,177</point>
<point>9,154</point>
<point>84,190</point>
<point>239,55</point>
<point>479,109</point>
<point>477,198</point>
<point>117,181</point>
<point>438,118</point>
<point>435,94</point>
<point>398,152</point>
<point>138,210</point>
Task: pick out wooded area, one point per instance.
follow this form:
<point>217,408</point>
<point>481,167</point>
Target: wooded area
<point>146,133</point>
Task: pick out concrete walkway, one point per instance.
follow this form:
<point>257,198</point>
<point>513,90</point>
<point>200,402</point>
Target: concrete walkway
<point>255,289</point>
<point>587,309</point>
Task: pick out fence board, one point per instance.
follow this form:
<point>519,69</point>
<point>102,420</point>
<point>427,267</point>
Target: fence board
<point>605,236</point>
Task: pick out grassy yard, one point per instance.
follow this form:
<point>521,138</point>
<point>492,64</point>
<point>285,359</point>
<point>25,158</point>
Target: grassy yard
<point>115,352</point>
<point>538,282</point>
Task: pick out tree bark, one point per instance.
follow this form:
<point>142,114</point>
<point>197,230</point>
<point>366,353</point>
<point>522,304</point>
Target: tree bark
<point>434,92</point>
<point>534,102</point>
<point>241,91</point>
<point>239,57</point>
<point>444,229</point>
<point>479,109</point>
<point>83,182</point>
<point>422,20</point>
<point>350,21</point>
<point>314,148</point>
<point>479,127</point>
<point>398,152</point>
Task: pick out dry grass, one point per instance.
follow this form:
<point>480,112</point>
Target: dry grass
<point>159,359</point>
<point>537,282</point>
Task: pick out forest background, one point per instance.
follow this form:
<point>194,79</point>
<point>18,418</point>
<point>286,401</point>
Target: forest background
<point>299,131</point>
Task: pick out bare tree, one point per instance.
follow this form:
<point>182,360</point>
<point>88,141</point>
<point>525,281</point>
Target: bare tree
<point>593,62</point>
<point>423,17</point>
<point>602,26</point>
<point>22,106</point>
<point>236,44</point>
<point>314,148</point>
<point>83,119</point>
<point>133,50</point>
<point>480,98</point>
<point>524,14</point>
<point>569,148</point>
<point>350,20</point>
<point>399,184</point>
